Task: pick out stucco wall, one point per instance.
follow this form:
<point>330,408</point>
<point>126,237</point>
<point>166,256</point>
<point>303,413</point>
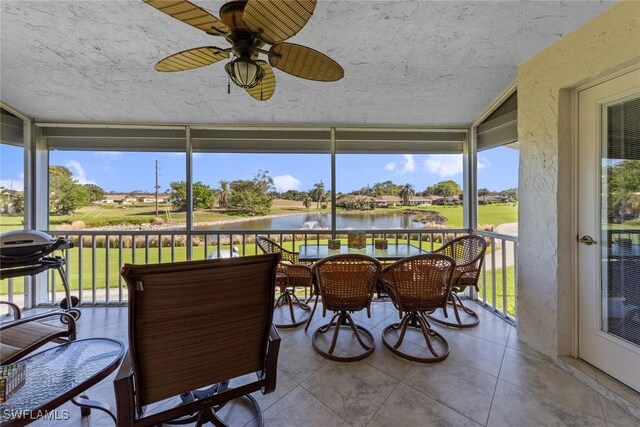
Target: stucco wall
<point>604,45</point>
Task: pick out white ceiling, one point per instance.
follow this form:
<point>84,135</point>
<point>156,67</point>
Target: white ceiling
<point>420,63</point>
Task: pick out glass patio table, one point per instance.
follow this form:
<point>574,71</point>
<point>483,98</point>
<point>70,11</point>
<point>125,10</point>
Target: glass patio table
<point>392,253</point>
<point>60,374</point>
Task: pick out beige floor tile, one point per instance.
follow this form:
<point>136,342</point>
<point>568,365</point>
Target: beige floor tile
<point>456,385</point>
<point>580,365</point>
<point>513,406</point>
<point>540,375</point>
<point>353,390</point>
<point>618,388</point>
<point>473,351</point>
<point>385,360</point>
<point>299,408</point>
<point>617,415</point>
<point>491,328</point>
<point>407,407</point>
<point>297,357</point>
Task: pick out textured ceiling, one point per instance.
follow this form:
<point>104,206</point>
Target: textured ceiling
<point>417,63</point>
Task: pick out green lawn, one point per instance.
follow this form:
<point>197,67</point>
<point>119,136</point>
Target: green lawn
<point>102,215</point>
<point>490,214</point>
<point>488,284</point>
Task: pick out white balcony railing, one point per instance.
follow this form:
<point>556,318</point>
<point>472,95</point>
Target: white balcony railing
<point>93,264</point>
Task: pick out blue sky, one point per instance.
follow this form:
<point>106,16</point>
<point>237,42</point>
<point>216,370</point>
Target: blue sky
<point>126,171</point>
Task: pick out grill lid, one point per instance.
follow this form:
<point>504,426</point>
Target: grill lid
<point>24,242</point>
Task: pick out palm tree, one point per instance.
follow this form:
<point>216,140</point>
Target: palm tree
<point>406,193</point>
<point>483,192</point>
<point>223,201</point>
<point>306,203</point>
<point>318,193</point>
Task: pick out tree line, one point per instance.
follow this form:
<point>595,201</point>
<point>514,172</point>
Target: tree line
<point>250,197</point>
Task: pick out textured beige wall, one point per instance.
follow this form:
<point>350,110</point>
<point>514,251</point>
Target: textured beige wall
<point>606,44</point>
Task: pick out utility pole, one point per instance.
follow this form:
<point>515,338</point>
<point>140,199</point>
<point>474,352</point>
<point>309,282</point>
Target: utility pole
<point>156,187</point>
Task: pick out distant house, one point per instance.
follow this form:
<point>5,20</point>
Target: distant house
<point>450,200</point>
<point>423,200</point>
<point>384,201</point>
<point>124,199</point>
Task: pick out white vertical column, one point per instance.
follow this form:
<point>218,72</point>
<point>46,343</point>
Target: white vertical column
<point>189,183</point>
<point>36,201</point>
<point>470,181</point>
<point>333,183</point>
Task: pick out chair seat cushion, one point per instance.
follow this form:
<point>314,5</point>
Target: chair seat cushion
<point>26,335</point>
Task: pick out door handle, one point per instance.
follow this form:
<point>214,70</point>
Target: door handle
<point>586,240</point>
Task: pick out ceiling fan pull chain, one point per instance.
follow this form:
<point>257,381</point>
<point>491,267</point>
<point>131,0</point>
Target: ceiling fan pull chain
<point>261,99</point>
<point>228,86</point>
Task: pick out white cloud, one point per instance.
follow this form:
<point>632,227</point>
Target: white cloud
<point>111,154</point>
<point>409,164</point>
<point>444,165</point>
<point>483,162</point>
<point>78,172</point>
<point>390,166</point>
<point>13,184</point>
<point>286,183</point>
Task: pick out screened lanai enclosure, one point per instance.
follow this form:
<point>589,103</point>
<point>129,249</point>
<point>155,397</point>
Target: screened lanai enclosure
<point>94,262</point>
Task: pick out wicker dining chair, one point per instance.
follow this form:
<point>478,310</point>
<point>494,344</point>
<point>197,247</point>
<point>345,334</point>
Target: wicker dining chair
<point>418,285</point>
<point>346,284</point>
<point>23,335</point>
<point>468,252</point>
<point>195,326</point>
<point>292,274</point>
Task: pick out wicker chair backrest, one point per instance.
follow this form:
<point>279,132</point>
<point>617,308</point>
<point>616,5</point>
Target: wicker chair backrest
<point>268,246</point>
<point>347,282</point>
<point>468,252</point>
<point>195,323</point>
<point>421,282</point>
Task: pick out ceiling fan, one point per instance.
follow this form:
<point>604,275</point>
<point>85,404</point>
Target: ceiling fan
<point>248,25</point>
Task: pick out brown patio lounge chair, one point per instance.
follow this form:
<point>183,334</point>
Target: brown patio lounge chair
<point>291,275</point>
<point>468,252</point>
<point>24,335</point>
<point>196,324</point>
<point>417,285</point>
<point>346,283</point>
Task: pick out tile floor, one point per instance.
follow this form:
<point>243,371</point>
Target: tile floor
<point>490,378</point>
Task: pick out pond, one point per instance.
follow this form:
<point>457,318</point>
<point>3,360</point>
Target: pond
<point>317,220</point>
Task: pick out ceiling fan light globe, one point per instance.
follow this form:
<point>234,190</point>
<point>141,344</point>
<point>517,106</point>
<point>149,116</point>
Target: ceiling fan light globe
<point>244,72</point>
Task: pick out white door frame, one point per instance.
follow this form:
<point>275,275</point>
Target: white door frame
<point>574,195</point>
<point>587,323</point>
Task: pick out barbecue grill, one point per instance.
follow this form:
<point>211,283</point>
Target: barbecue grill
<point>30,252</point>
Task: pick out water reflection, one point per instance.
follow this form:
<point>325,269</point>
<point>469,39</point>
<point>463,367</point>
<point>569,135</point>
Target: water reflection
<point>315,221</point>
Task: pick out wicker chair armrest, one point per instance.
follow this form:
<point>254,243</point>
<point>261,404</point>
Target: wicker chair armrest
<point>295,269</point>
<point>271,364</point>
<point>443,250</point>
<point>17,314</point>
<point>70,321</point>
<point>289,256</point>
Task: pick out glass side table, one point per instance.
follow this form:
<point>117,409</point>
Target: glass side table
<point>60,374</point>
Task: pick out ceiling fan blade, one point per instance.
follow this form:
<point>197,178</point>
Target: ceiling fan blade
<point>191,14</point>
<point>277,20</point>
<point>264,90</point>
<point>191,58</point>
<point>302,61</point>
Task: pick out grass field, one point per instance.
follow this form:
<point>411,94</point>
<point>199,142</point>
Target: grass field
<point>486,285</point>
<point>104,215</point>
<point>103,265</point>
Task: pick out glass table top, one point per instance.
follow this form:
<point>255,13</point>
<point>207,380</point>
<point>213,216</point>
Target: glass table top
<point>52,373</point>
<point>393,252</point>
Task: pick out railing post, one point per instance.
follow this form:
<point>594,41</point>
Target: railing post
<point>333,183</point>
<point>189,183</point>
